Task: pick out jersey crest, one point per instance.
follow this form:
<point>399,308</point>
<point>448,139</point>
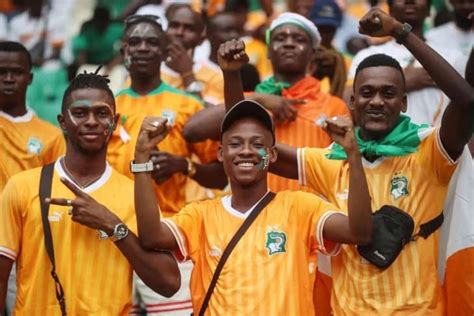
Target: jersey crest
<point>169,115</point>
<point>399,186</point>
<point>34,146</point>
<point>276,242</point>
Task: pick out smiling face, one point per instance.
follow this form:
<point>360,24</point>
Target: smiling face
<point>15,76</point>
<point>245,147</point>
<point>290,49</point>
<point>89,119</point>
<point>379,97</point>
<point>143,48</point>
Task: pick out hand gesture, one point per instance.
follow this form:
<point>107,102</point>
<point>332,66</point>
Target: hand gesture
<point>231,55</point>
<point>341,130</point>
<point>166,165</point>
<point>378,24</point>
<point>178,58</point>
<point>152,132</point>
<point>87,211</point>
<point>283,109</point>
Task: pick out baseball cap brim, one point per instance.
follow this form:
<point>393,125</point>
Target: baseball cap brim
<point>244,109</point>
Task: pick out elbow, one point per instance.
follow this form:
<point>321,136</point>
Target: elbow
<point>364,236</point>
<point>171,286</point>
<point>189,132</point>
<point>149,243</point>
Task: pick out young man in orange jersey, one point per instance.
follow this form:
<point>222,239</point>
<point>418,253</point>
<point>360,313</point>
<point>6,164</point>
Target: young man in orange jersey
<point>276,255</point>
<point>143,50</point>
<point>407,166</point>
<point>25,140</point>
<point>88,200</point>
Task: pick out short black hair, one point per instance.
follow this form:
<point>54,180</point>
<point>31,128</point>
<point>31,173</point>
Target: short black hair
<point>379,60</point>
<point>15,47</point>
<point>87,81</point>
<point>197,16</point>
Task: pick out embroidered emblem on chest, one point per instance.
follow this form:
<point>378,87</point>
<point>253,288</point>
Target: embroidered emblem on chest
<point>276,242</point>
<point>399,186</point>
<point>34,146</point>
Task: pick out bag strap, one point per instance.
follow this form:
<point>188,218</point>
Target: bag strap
<point>233,242</point>
<point>428,228</point>
<point>46,180</point>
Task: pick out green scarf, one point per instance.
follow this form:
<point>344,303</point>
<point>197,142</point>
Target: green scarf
<point>401,141</point>
<point>270,86</point>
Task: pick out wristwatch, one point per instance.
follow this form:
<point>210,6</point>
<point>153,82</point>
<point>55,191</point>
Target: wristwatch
<point>191,168</point>
<point>400,37</point>
<point>141,167</point>
<point>195,87</point>
<point>120,232</point>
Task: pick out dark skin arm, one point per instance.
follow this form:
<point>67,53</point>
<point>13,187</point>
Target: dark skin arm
<point>5,268</point>
<point>458,119</point>
<point>157,269</point>
<point>153,234</point>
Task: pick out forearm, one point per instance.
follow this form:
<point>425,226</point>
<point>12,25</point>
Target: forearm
<point>286,164</point>
<point>359,202</point>
<point>211,175</point>
<point>205,124</point>
<point>151,231</point>
<point>233,90</point>
<point>444,75</point>
<point>5,268</point>
<point>158,269</point>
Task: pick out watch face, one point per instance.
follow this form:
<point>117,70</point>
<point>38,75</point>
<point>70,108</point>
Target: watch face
<point>121,231</point>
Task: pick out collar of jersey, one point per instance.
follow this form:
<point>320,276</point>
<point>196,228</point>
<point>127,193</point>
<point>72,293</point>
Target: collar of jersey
<point>18,119</point>
<point>226,203</point>
<point>93,186</point>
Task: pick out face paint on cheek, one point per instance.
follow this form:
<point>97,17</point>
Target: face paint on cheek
<point>71,117</point>
<point>263,164</point>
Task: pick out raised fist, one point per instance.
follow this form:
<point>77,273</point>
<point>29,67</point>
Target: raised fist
<point>231,55</point>
<point>378,24</point>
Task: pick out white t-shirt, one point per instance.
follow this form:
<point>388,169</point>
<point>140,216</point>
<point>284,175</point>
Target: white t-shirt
<point>424,106</point>
<point>449,35</point>
<point>3,28</point>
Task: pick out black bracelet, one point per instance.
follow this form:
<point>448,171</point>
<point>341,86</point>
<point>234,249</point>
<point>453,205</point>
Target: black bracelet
<point>404,33</point>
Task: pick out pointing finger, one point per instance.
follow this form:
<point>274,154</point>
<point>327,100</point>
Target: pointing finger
<point>61,201</point>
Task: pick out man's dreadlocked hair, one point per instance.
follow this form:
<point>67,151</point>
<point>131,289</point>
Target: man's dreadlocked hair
<point>84,81</point>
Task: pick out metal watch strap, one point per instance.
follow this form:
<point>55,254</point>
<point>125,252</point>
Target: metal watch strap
<point>404,33</point>
<point>141,167</point>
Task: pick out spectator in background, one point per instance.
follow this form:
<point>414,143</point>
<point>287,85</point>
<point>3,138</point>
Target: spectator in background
<point>26,141</point>
<point>329,63</point>
<point>458,34</point>
<point>426,102</point>
<point>98,41</point>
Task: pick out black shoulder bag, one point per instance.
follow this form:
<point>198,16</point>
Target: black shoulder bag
<point>233,242</point>
<point>393,229</point>
<point>46,180</point>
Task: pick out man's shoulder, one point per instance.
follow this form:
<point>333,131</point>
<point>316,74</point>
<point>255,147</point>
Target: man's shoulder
<point>442,30</point>
<point>46,128</point>
<point>26,179</point>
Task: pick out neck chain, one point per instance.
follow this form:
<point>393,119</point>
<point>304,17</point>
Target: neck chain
<point>69,173</point>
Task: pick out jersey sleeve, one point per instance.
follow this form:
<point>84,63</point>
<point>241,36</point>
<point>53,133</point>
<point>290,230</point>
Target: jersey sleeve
<point>315,211</point>
<point>11,208</point>
<point>432,154</point>
<point>186,229</point>
<point>315,171</point>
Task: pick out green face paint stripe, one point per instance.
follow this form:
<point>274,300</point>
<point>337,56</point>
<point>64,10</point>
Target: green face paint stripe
<point>82,102</point>
<point>262,153</point>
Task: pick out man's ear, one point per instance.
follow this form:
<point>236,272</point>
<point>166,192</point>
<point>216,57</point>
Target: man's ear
<point>273,154</point>
<point>220,154</point>
<point>351,103</point>
<point>62,125</point>
<point>116,120</point>
<point>404,104</point>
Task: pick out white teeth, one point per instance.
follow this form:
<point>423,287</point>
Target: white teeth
<point>245,164</point>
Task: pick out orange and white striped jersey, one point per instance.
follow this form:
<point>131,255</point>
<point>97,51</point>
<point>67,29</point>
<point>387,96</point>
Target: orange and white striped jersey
<point>96,277</point>
<point>177,107</point>
<point>206,72</point>
<point>27,142</point>
<point>416,183</point>
<point>303,131</point>
<point>275,257</point>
